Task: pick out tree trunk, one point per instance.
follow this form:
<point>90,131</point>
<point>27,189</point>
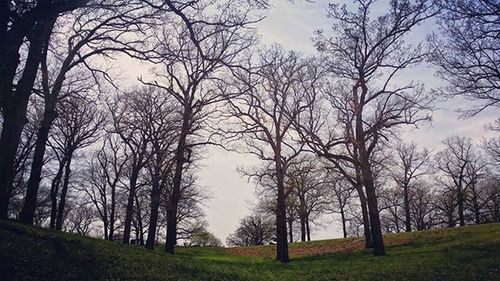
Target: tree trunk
<point>302,228</point>
<point>154,205</point>
<point>64,193</point>
<point>171,231</point>
<point>281,237</point>
<point>371,196</point>
<point>290,229</point>
<point>344,228</point>
<point>14,118</point>
<point>460,201</point>
<point>364,211</point>
<point>171,239</point>
<point>54,191</point>
<point>130,203</point>
<point>308,229</point>
<point>407,208</point>
<point>49,116</point>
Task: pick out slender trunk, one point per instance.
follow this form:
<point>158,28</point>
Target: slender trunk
<point>290,229</point>
<point>140,225</point>
<point>130,203</point>
<point>54,191</point>
<point>154,206</point>
<point>64,193</point>
<point>460,201</point>
<point>407,208</point>
<point>344,228</point>
<point>49,116</point>
<point>112,211</point>
<point>308,229</point>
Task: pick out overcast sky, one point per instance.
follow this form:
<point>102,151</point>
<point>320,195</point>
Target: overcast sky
<point>292,25</point>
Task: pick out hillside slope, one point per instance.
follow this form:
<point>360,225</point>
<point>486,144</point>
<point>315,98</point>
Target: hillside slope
<point>467,253</point>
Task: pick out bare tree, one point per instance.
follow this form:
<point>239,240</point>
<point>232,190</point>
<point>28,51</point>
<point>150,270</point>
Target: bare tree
<point>78,126</point>
<point>460,164</point>
<point>102,178</point>
<point>365,56</point>
<point>21,22</point>
<point>466,50</point>
<point>66,69</point>
<point>271,98</point>
<point>341,193</point>
<point>410,164</point>
<point>193,63</point>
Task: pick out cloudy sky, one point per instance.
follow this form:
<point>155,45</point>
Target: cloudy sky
<point>291,24</point>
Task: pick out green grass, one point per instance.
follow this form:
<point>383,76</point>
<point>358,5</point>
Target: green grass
<point>467,253</point>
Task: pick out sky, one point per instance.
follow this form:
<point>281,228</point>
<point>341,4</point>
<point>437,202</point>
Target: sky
<point>292,24</point>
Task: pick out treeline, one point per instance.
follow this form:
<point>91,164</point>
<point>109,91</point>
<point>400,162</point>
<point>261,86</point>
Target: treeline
<point>82,152</point>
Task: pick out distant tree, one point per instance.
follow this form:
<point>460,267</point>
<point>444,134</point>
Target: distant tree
<point>101,182</point>
<point>341,192</point>
<point>466,50</point>
<point>253,230</point>
<point>204,238</point>
<point>462,168</point>
<point>409,165</point>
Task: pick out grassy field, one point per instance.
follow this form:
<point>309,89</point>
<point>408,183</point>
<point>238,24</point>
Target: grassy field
<point>467,253</point>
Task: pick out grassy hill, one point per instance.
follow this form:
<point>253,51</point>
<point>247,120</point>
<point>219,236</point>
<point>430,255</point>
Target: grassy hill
<point>467,253</point>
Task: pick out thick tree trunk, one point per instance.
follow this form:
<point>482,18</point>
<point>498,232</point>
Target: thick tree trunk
<point>371,196</point>
<point>171,239</point>
<point>64,193</point>
<point>171,231</point>
<point>364,211</point>
<point>14,113</point>
<point>281,237</point>
<point>302,228</point>
<point>14,119</point>
<point>130,203</point>
<point>290,229</point>
<point>407,208</point>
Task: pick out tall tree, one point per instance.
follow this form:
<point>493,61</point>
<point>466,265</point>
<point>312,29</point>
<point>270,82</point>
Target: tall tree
<point>20,22</point>
<point>365,56</point>
<point>270,99</point>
